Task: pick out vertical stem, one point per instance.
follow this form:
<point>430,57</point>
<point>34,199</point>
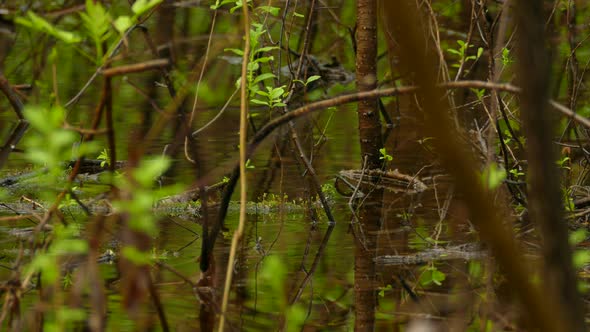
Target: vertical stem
<point>243,144</point>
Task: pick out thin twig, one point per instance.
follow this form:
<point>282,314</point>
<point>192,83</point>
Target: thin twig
<point>243,141</point>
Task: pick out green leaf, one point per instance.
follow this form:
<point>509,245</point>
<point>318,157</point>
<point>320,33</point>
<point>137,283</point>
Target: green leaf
<point>45,264</point>
<point>136,256</point>
<point>262,93</point>
<point>263,77</point>
<point>259,102</point>
<point>576,237</point>
<point>312,78</point>
<point>35,22</point>
<point>218,4</point>
<point>276,93</point>
<point>453,51</point>
<point>492,176</point>
<point>70,247</point>
<point>438,277</point>
<point>234,50</point>
<point>431,275</point>
<point>266,49</point>
<point>141,6</point>
<point>122,23</point>
<point>274,11</point>
<point>150,169</point>
<point>96,21</point>
<point>264,59</point>
<point>296,14</point>
<point>581,258</point>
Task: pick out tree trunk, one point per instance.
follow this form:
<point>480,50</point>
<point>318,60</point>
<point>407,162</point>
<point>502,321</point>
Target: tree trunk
<point>545,202</point>
<point>371,142</point>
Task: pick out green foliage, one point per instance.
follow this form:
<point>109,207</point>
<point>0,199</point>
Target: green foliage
<point>136,256</point>
<point>479,93</point>
<point>564,162</point>
<point>516,172</point>
<point>448,9</point>
<point>273,96</point>
<point>309,80</point>
<point>506,57</point>
<point>274,275</point>
<point>461,52</point>
<point>493,176</point>
<point>431,275</point>
<point>141,7</point>
<point>475,270</point>
<point>37,23</point>
<point>274,11</point>
<point>49,145</point>
<point>104,157</point>
<point>420,239</point>
<point>384,289</point>
<point>249,164</point>
<point>66,242</point>
<point>329,190</point>
<point>64,319</point>
<point>384,155</point>
<point>237,4</point>
<point>139,206</point>
<point>97,22</point>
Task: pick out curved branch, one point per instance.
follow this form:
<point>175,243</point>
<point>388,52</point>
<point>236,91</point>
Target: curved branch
<point>268,128</point>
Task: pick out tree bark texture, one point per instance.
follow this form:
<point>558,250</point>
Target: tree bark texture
<point>545,201</point>
<point>370,143</point>
<point>366,79</point>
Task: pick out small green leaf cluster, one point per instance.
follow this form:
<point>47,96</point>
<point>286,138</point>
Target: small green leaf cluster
<point>384,155</point>
<point>506,57</point>
<point>66,242</point>
<point>97,24</point>
<point>309,80</point>
<point>140,183</point>
<point>431,275</point>
<point>37,23</point>
<point>274,275</point>
<point>461,52</point>
<point>139,7</point>
<point>493,176</point>
<point>104,157</point>
<point>273,96</point>
<point>237,4</point>
<point>49,145</point>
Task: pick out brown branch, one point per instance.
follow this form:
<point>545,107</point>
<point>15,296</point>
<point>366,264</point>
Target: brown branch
<point>83,131</point>
<point>14,100</point>
<point>267,129</point>
<point>136,67</point>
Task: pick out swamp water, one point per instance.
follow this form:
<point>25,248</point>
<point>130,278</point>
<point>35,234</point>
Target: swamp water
<point>292,269</point>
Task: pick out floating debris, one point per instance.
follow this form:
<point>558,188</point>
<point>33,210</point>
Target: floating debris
<point>388,180</point>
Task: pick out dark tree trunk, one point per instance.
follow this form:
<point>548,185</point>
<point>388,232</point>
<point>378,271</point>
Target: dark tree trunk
<point>371,142</point>
<point>545,202</point>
